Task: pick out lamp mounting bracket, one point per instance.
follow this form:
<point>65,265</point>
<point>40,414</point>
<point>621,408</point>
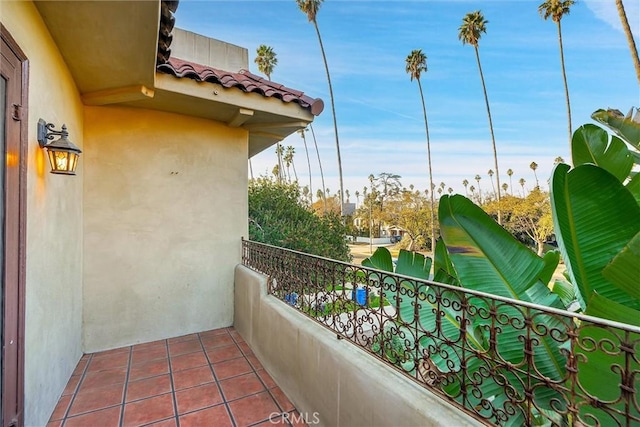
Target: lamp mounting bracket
<point>46,132</point>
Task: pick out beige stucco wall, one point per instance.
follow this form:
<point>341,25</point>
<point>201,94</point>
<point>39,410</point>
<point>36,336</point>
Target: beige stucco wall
<point>54,221</point>
<point>203,50</point>
<point>165,202</point>
<point>330,380</point>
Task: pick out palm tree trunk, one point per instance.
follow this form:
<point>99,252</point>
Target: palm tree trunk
<point>629,34</point>
<point>493,138</point>
<point>315,142</point>
<point>335,121</point>
<point>295,173</point>
<point>306,150</point>
<point>426,126</point>
<point>280,171</point>
<point>564,78</point>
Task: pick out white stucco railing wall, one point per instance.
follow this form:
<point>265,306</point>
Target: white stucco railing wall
<point>330,381</point>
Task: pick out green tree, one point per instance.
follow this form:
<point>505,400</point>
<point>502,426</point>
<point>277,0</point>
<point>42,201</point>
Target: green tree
<point>266,59</point>
<point>629,35</point>
<point>521,181</point>
<point>278,217</point>
<point>527,218</point>
<point>465,183</point>
<point>470,32</point>
<point>556,9</point>
<point>510,174</point>
<point>310,8</point>
<point>416,63</point>
<point>388,184</point>
<point>410,211</point>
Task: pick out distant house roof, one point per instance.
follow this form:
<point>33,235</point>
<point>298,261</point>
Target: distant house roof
<point>243,80</point>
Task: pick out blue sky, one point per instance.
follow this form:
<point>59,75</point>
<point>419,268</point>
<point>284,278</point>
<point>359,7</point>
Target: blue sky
<point>378,108</point>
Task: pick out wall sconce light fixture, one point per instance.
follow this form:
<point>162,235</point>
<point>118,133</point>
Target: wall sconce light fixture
<point>63,154</point>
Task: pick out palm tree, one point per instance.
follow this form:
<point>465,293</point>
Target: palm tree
<point>310,8</point>
<point>315,142</point>
<point>630,41</point>
<point>449,190</point>
<point>473,25</point>
<point>279,153</point>
<point>357,198</point>
<point>288,157</point>
<point>306,150</point>
<point>416,63</point>
<point>266,60</point>
<point>522,181</point>
<point>465,183</point>
<point>478,178</point>
<point>556,9</point>
<point>490,173</point>
<point>287,163</point>
<point>505,186</point>
<point>558,160</point>
<point>533,167</point>
<point>510,173</point>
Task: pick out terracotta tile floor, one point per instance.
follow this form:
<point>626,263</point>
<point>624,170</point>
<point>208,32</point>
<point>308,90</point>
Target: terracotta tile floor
<point>206,379</point>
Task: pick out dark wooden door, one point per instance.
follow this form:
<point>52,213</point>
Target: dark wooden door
<point>13,80</point>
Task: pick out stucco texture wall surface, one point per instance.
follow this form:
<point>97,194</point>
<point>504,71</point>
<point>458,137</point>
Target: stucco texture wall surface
<point>165,205</point>
<point>53,330</point>
<point>331,381</point>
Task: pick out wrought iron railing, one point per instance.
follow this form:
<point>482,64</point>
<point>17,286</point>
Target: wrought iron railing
<point>505,362</point>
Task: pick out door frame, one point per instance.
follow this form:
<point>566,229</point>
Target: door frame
<point>23,118</point>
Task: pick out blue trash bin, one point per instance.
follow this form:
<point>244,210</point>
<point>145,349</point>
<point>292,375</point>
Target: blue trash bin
<point>359,295</point>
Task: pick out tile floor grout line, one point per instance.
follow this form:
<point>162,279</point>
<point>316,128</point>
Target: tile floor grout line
<point>75,392</point>
<point>126,385</point>
<point>173,389</point>
<point>255,371</point>
<point>215,379</point>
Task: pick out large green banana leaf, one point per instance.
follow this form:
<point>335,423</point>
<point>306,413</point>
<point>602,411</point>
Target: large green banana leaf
<point>418,306</point>
<point>634,187</point>
<point>442,267</point>
<point>627,127</point>
<point>485,256</point>
<point>488,258</point>
<point>597,374</point>
<point>624,270</point>
<point>594,217</point>
<point>590,144</point>
<point>551,260</point>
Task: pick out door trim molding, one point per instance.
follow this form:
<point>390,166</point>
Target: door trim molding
<point>22,221</point>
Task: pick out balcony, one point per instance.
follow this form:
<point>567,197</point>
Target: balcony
<point>367,347</point>
<point>321,342</point>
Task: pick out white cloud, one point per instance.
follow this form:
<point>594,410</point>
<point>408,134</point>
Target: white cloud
<point>606,11</point>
